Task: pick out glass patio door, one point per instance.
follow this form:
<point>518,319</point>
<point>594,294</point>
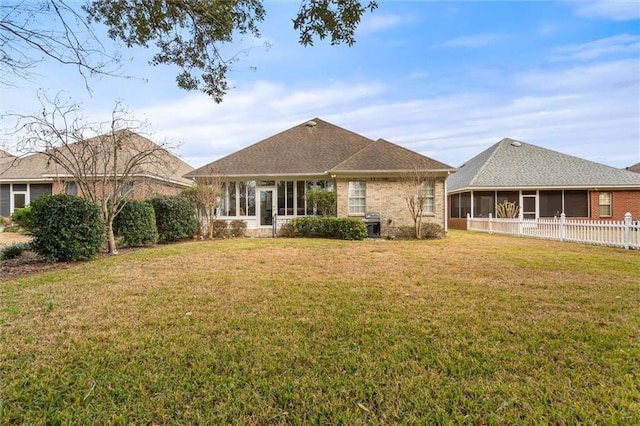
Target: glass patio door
<point>266,206</point>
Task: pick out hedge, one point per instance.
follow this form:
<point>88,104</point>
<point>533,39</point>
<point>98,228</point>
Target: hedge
<point>175,218</point>
<point>66,227</point>
<point>341,228</point>
<point>135,224</point>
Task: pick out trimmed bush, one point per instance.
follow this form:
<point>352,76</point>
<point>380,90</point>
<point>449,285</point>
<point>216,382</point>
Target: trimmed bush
<point>341,228</point>
<point>175,218</point>
<point>66,227</point>
<point>14,250</point>
<point>431,231</point>
<point>220,228</point>
<point>23,218</point>
<point>135,224</point>
<point>238,228</point>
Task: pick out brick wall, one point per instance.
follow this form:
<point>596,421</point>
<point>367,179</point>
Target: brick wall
<point>385,195</point>
<point>621,203</point>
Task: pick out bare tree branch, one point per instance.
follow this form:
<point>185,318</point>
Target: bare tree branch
<point>104,161</point>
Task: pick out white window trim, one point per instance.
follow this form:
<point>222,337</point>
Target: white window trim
<point>609,204</point>
<point>357,197</point>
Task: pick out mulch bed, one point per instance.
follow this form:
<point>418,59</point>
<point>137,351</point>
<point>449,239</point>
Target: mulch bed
<point>28,264</point>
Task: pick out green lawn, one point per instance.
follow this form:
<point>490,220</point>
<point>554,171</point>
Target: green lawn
<point>473,329</point>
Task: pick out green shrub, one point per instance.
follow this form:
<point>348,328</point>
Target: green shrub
<point>13,228</point>
<point>220,228</point>
<point>135,224</point>
<point>66,227</point>
<point>23,218</point>
<point>342,228</point>
<point>3,221</point>
<point>175,218</point>
<point>238,228</point>
<point>14,250</point>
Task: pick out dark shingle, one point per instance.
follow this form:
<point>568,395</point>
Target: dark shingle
<point>303,149</point>
<point>386,156</point>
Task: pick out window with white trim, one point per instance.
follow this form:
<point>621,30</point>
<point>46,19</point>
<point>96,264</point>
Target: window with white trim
<point>426,195</point>
<point>357,197</point>
<point>605,204</point>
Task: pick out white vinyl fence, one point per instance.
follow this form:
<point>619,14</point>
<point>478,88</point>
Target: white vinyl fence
<point>624,234</point>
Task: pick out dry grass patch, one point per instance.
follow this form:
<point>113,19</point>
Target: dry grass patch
<point>472,329</point>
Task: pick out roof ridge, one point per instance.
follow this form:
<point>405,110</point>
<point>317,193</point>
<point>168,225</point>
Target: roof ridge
<point>494,149</point>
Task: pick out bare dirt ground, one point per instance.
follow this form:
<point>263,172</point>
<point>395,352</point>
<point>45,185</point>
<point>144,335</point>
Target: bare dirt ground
<point>7,238</point>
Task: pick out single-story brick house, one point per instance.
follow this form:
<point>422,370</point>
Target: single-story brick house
<point>24,179</point>
<point>267,181</point>
<point>543,183</point>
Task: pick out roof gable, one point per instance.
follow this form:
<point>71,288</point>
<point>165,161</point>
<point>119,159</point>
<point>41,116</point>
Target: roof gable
<point>385,156</point>
<point>312,147</point>
<point>515,164</point>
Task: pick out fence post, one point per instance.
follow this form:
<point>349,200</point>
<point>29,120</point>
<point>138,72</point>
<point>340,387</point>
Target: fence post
<point>627,230</point>
<point>490,225</point>
<point>563,217</point>
<point>468,220</point>
<point>520,220</point>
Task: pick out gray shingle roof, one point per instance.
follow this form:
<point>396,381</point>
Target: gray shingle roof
<point>314,148</point>
<point>385,156</point>
<point>515,164</point>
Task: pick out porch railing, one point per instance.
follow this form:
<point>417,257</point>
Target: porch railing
<point>625,234</point>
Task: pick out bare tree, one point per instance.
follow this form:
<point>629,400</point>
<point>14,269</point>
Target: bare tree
<point>205,195</point>
<point>103,166</point>
<point>32,31</point>
<point>417,191</point>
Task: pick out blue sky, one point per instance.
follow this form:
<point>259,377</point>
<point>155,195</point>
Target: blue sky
<point>444,78</point>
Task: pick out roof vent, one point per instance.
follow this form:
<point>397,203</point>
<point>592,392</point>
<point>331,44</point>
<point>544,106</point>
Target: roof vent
<point>311,124</point>
<point>516,143</point>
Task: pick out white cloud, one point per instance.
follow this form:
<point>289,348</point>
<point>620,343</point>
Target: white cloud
<point>379,22</point>
<point>616,10</point>
<point>476,40</point>
<point>588,111</point>
<point>618,44</point>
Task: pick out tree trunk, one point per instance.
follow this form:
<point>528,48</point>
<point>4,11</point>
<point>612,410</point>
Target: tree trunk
<point>111,239</point>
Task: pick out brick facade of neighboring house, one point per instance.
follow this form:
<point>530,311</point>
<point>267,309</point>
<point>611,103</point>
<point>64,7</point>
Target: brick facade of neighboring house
<point>543,183</point>
<point>267,181</point>
<point>22,180</point>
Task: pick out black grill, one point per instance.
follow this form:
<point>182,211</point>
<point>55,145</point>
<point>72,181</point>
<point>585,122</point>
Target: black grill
<point>373,221</point>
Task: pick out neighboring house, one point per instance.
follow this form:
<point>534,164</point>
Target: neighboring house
<point>543,183</point>
<point>268,181</point>
<point>635,168</point>
<point>24,179</point>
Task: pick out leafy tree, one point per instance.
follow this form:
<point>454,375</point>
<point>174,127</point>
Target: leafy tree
<point>186,33</point>
<point>323,200</point>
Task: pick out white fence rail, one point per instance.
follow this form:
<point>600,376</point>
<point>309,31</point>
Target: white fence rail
<point>625,234</point>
